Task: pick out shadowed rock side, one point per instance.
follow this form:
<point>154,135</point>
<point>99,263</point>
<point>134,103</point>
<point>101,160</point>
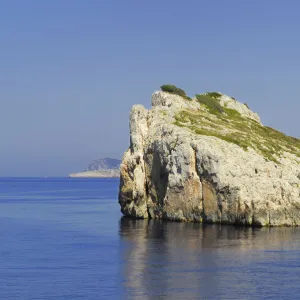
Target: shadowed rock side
<point>175,170</point>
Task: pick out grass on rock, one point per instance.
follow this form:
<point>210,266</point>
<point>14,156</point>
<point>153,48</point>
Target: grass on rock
<point>227,124</point>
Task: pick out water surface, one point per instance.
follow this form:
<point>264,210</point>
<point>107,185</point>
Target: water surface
<point>66,239</point>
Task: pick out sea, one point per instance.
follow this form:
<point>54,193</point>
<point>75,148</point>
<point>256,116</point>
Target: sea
<point>63,238</point>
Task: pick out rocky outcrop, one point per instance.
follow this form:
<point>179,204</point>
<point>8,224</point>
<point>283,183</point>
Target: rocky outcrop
<point>188,163</point>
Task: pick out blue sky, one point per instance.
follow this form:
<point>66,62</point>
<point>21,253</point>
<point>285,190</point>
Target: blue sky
<point>71,70</point>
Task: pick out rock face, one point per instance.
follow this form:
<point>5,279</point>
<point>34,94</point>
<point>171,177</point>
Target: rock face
<point>188,163</point>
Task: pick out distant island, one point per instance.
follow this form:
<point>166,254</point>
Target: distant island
<point>100,168</point>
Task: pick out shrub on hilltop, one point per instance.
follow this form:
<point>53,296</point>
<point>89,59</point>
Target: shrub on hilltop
<point>214,95</point>
<point>173,89</point>
<point>211,103</point>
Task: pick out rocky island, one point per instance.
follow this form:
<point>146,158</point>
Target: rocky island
<point>208,159</point>
<point>100,168</point>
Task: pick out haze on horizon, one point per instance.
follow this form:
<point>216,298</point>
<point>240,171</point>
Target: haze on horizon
<point>71,70</point>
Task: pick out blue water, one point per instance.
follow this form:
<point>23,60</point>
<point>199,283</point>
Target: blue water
<point>66,239</point>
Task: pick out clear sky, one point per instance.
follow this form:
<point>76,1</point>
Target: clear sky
<point>71,70</point>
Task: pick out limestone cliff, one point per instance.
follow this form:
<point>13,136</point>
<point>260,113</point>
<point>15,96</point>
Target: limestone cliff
<point>208,159</point>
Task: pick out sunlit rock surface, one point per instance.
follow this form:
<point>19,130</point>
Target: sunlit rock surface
<point>192,161</point>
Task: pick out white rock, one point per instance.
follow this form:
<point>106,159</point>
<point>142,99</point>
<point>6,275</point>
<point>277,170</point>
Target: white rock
<point>172,173</point>
<point>243,109</point>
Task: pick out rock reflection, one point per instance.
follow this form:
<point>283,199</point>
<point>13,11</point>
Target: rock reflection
<point>170,260</point>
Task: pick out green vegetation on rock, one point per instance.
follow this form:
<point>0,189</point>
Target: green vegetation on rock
<point>227,124</point>
<point>214,95</point>
<point>212,104</point>
<point>173,89</point>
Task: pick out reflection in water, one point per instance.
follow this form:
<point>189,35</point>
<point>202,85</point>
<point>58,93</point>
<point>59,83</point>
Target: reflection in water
<point>169,260</point>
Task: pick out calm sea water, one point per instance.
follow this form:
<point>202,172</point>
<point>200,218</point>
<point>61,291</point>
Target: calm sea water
<point>66,239</point>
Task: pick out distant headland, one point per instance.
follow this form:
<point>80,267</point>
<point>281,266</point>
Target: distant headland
<point>100,168</point>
